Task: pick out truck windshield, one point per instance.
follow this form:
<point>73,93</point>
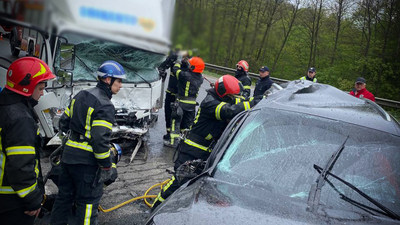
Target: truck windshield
<point>140,66</point>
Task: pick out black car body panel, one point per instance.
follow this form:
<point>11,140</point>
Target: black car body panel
<point>329,102</point>
<point>261,170</point>
<point>209,201</point>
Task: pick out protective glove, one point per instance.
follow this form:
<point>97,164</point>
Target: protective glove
<point>108,175</point>
<point>113,177</point>
<point>163,73</point>
<point>257,99</point>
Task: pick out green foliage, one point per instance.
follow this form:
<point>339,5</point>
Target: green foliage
<point>226,31</point>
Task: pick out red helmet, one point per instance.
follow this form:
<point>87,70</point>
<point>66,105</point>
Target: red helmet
<point>227,84</point>
<point>244,65</point>
<point>197,64</point>
<point>25,73</point>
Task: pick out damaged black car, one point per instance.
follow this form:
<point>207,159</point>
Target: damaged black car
<point>308,154</point>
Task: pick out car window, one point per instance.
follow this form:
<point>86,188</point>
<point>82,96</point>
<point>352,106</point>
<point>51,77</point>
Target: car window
<point>275,150</point>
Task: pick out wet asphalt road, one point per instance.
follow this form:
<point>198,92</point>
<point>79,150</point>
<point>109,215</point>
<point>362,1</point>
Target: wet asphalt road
<point>135,178</point>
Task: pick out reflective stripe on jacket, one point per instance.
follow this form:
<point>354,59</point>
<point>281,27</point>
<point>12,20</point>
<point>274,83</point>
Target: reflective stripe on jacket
<point>211,119</point>
<point>20,174</point>
<point>189,84</point>
<point>90,117</point>
<point>308,78</point>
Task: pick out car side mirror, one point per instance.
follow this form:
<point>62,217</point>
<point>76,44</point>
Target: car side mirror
<point>67,56</point>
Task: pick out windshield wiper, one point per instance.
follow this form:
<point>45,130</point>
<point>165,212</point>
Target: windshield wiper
<point>385,211</point>
<point>138,74</point>
<point>315,191</point>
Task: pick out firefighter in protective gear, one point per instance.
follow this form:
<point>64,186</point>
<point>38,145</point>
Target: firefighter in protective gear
<point>86,162</point>
<point>183,109</point>
<point>215,111</point>
<point>21,184</point>
<point>172,89</point>
<point>242,74</point>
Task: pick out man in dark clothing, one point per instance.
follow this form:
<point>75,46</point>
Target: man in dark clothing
<point>310,75</point>
<point>86,163</point>
<point>21,184</point>
<point>242,74</point>
<point>189,83</point>
<point>213,116</point>
<point>264,83</point>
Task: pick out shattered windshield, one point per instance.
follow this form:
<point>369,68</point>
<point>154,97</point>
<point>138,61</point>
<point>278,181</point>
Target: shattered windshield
<point>275,150</point>
<point>140,66</point>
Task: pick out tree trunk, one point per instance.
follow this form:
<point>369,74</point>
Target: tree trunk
<point>386,33</point>
<point>296,9</point>
<point>339,20</point>
<point>213,23</point>
<point>256,27</point>
<point>316,33</point>
<point>269,23</point>
<point>367,25</point>
<point>220,36</point>
<point>239,29</point>
<point>245,30</point>
<point>232,34</point>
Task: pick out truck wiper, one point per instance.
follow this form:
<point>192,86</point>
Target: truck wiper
<point>385,211</point>
<point>128,67</point>
<point>315,191</point>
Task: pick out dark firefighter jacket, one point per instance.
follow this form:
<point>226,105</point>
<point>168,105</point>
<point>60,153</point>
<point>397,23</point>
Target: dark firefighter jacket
<point>262,85</point>
<point>246,82</point>
<point>90,117</point>
<point>211,120</point>
<point>172,82</point>
<point>21,183</point>
<point>188,86</point>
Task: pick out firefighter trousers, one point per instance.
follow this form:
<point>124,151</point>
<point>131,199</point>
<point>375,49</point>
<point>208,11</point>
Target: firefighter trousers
<point>185,153</point>
<point>77,183</point>
<point>169,98</point>
<point>16,217</point>
<point>181,119</point>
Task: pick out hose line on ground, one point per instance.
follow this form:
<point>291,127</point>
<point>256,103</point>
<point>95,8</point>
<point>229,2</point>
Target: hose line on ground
<point>145,196</point>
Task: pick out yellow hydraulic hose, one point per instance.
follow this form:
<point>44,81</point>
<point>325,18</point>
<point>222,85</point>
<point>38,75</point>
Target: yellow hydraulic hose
<point>145,196</point>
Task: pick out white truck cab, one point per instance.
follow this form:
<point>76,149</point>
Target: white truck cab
<point>78,36</point>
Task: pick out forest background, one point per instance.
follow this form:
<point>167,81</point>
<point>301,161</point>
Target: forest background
<point>342,39</point>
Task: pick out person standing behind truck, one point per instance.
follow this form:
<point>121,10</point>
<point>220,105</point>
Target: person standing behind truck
<point>21,184</point>
<point>86,162</point>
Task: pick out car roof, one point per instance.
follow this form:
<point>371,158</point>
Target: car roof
<point>329,102</point>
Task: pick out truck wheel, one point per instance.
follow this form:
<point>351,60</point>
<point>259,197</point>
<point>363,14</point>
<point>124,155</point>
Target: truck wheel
<point>13,45</point>
<point>31,49</point>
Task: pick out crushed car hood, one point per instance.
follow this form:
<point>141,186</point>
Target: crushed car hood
<point>209,201</point>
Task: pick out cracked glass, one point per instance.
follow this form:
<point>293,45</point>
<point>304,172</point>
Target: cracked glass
<point>275,150</point>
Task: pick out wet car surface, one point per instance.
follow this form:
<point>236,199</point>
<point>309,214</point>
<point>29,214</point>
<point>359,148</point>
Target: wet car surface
<point>266,166</point>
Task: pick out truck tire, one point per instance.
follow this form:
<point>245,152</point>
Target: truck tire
<point>14,44</point>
